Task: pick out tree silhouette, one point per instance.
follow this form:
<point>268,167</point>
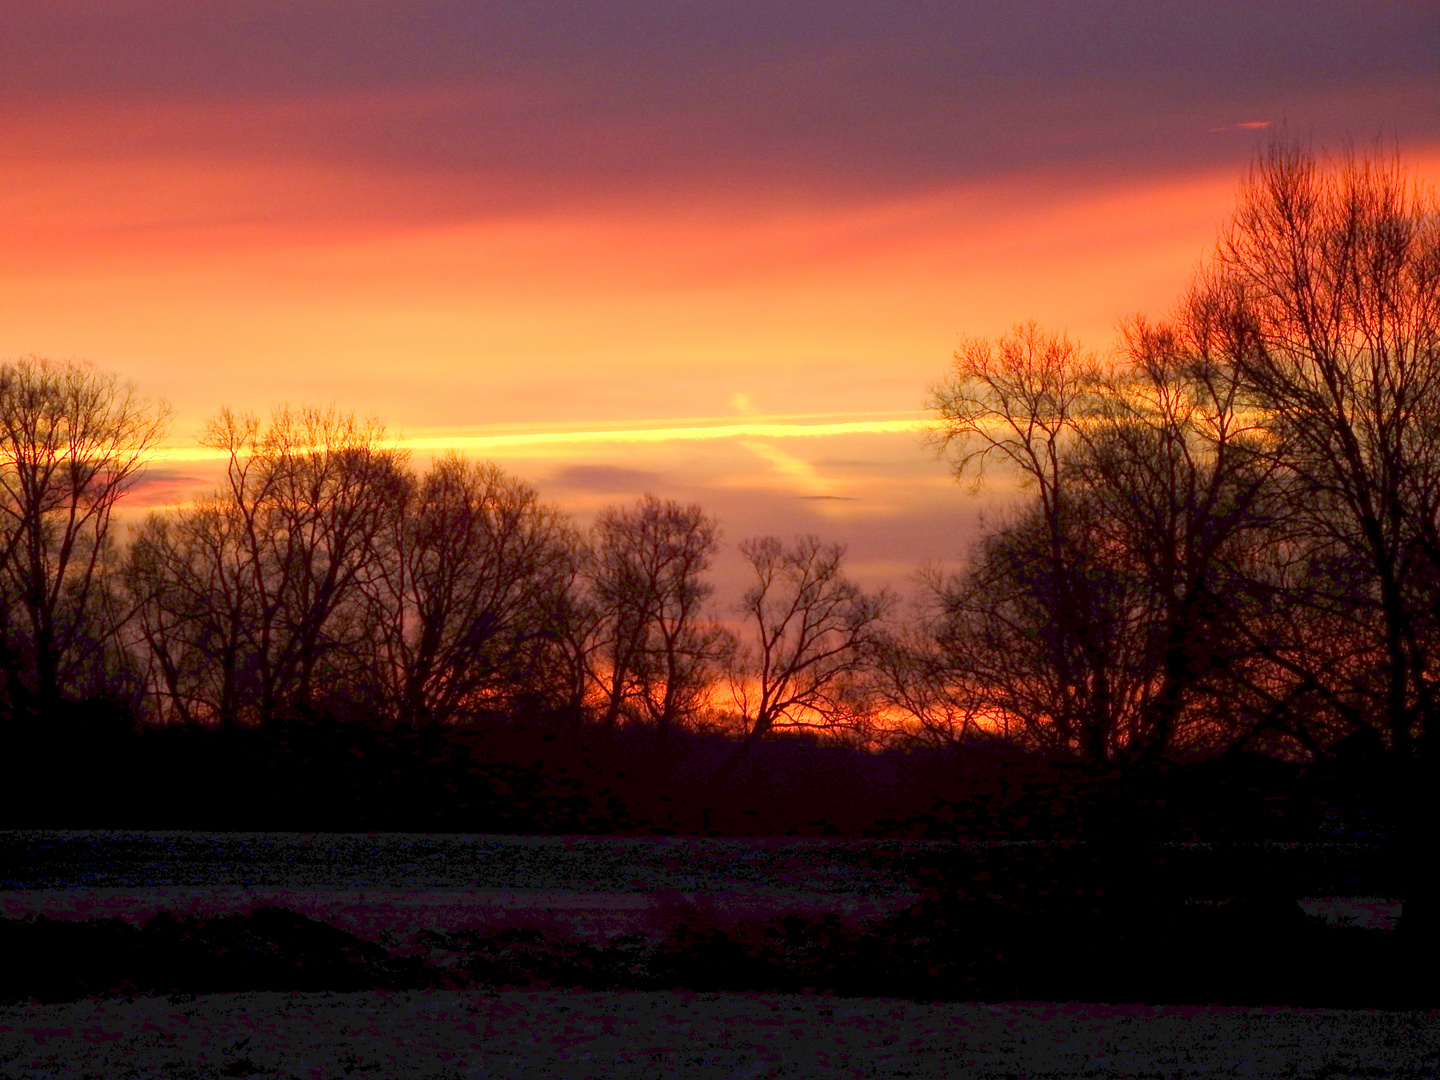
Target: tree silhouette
<point>811,634</point>
<point>1324,296</point>
<point>253,600</point>
<point>73,441</point>
<point>472,576</point>
<point>1234,537</point>
<point>651,650</point>
<point>1184,502</point>
<point>1021,402</point>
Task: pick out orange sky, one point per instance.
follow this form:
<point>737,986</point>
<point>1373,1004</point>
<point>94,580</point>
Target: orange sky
<point>573,233</point>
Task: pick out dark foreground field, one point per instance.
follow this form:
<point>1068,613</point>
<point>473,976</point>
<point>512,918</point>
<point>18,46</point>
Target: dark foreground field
<point>1241,952</point>
<point>1170,951</point>
<point>575,1035</point>
<point>935,991</point>
<point>1037,922</point>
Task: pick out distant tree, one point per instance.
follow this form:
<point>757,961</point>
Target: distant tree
<point>73,442</point>
<point>471,593</point>
<point>809,639</point>
<point>1051,648</point>
<point>651,649</point>
<point>253,600</point>
<point>917,683</point>
<point>194,615</point>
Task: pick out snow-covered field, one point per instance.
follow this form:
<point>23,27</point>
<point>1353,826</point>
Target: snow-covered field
<point>40,859</point>
<point>565,1035</point>
<point>397,918</point>
<point>390,889</point>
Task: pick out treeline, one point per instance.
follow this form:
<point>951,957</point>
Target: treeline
<point>1230,544</point>
<point>325,575</point>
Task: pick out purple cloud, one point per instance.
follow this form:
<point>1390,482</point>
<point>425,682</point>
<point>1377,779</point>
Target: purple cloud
<point>549,101</point>
<point>607,479</point>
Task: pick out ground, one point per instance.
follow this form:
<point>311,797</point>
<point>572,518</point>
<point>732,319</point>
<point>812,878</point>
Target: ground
<point>574,1035</point>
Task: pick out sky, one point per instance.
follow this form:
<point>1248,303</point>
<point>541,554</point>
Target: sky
<point>713,251</point>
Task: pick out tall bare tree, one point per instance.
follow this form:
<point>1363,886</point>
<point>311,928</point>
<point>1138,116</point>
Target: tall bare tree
<point>1185,500</point>
<point>473,593</point>
<point>195,615</point>
<point>810,638</point>
<point>1127,613</point>
<point>1329,280</point>
<point>265,581</point>
<point>652,650</point>
<point>1024,402</point>
<point>73,441</point>
<point>1324,295</point>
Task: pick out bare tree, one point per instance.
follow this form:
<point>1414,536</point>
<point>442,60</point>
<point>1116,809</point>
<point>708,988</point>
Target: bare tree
<point>1329,279</point>
<point>473,589</point>
<point>652,652</point>
<point>1024,402</point>
<point>1049,643</point>
<point>194,615</point>
<point>73,441</point>
<point>917,682</point>
<point>1326,292</point>
<point>266,580</point>
<point>1185,499</point>
<point>811,635</point>
<point>1129,613</point>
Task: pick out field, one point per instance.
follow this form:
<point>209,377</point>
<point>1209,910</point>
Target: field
<point>580,1035</point>
<point>469,956</point>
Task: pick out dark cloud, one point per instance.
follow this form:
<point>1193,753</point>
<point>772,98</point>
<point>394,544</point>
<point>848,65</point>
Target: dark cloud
<point>550,100</point>
<point>270,46</point>
<point>158,486</point>
<point>160,475</point>
<point>607,479</point>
